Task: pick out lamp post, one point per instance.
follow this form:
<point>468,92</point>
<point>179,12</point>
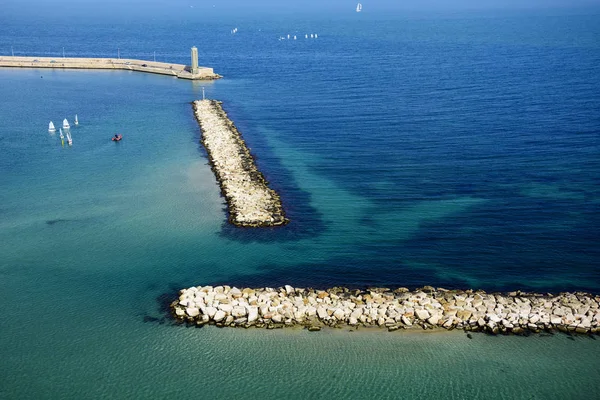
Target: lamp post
<point>118,53</point>
<point>155,56</point>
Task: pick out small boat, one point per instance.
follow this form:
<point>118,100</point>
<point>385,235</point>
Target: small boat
<point>51,127</point>
<point>117,137</point>
<point>305,36</point>
<point>61,134</point>
<point>76,120</point>
<point>69,139</point>
<point>358,7</point>
<point>66,124</point>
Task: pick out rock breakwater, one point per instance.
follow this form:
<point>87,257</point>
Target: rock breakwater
<point>514,312</point>
<point>250,201</point>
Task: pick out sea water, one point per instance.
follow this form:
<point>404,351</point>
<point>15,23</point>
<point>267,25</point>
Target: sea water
<point>446,150</point>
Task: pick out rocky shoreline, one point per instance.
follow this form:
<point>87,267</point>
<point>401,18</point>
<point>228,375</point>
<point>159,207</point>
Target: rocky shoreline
<point>250,201</point>
<point>424,308</point>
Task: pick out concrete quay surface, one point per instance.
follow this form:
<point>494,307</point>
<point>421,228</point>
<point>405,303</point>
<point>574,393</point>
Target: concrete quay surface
<point>178,70</point>
<point>250,201</point>
<point>424,308</point>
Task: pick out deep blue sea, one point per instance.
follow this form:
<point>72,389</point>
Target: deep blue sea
<point>459,150</point>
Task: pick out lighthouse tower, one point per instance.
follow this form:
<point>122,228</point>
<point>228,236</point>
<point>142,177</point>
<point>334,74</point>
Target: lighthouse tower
<point>194,69</point>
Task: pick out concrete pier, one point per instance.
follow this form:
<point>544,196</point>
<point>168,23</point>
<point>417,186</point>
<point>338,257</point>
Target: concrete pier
<point>250,201</point>
<point>178,70</point>
<point>424,308</point>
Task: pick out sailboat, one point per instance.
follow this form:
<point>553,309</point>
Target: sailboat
<point>61,134</point>
<point>66,124</point>
<point>76,120</point>
<point>51,127</point>
<point>358,7</point>
<point>69,139</point>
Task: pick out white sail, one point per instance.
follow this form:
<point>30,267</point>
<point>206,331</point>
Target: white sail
<point>61,134</point>
<point>51,127</point>
<point>76,120</point>
<point>358,7</point>
<point>66,124</point>
<point>69,139</point>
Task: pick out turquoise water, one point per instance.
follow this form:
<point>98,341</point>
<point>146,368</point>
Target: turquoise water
<point>449,151</point>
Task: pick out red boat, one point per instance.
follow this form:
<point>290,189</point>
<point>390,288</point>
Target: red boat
<point>117,137</point>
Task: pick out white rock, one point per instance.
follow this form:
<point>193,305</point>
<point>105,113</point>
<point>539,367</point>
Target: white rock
<point>192,311</point>
<point>494,318</point>
<point>339,314</point>
<point>219,316</point>
<point>238,311</point>
<point>252,314</point>
<point>277,318</point>
<point>322,312</point>
<point>534,318</point>
<point>422,314</point>
<point>211,311</point>
<point>228,308</point>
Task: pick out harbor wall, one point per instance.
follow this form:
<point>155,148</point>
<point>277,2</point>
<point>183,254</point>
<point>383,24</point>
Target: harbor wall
<point>250,201</point>
<point>178,70</point>
<point>424,308</point>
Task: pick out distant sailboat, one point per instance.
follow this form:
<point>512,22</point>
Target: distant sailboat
<point>66,124</point>
<point>76,120</point>
<point>316,36</point>
<point>51,127</point>
<point>69,139</point>
<point>305,36</point>
<point>61,134</point>
<point>358,7</point>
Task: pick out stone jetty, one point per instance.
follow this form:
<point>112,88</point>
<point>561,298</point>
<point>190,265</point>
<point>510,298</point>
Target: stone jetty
<point>178,70</point>
<point>425,308</point>
<point>250,201</point>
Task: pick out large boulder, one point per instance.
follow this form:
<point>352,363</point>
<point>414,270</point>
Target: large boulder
<point>252,314</point>
<point>192,311</point>
<point>422,314</point>
<point>219,316</point>
<point>210,311</point>
<point>322,312</point>
<point>339,314</point>
<point>228,308</point>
